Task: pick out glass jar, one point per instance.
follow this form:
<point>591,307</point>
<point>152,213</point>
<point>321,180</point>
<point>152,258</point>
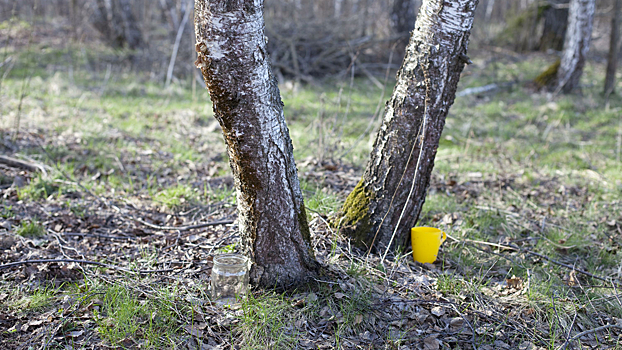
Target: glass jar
<point>229,280</point>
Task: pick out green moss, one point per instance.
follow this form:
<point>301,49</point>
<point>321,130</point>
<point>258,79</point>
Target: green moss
<point>549,75</point>
<point>304,225</point>
<point>354,218</point>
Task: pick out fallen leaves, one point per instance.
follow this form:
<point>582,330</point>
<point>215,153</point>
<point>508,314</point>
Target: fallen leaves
<point>438,311</point>
<point>514,282</point>
<point>431,343</point>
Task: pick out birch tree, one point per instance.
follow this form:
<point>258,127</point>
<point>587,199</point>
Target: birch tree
<point>388,199</point>
<point>576,44</point>
<point>231,49</point>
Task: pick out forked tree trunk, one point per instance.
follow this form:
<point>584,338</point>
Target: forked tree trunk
<point>576,44</point>
<point>232,56</point>
<point>387,201</point>
<point>614,44</point>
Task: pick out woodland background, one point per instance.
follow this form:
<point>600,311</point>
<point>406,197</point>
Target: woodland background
<point>123,165</point>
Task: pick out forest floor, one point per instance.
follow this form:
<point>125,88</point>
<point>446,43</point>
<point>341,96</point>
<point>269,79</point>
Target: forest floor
<point>128,183</point>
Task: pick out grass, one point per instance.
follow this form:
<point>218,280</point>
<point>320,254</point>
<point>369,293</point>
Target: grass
<point>30,229</point>
<point>319,200</point>
<point>267,320</point>
<point>518,167</point>
<point>176,197</point>
<point>38,189</point>
<point>126,318</point>
<point>38,300</point>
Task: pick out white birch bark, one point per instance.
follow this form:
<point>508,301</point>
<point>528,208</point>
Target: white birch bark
<point>386,204</point>
<point>232,56</point>
<point>576,44</point>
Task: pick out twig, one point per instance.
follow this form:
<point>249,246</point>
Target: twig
<point>589,331</point>
<point>560,321</point>
<point>185,228</point>
<point>88,262</point>
<point>220,241</point>
<point>7,60</point>
<point>473,332</point>
<point>76,234</point>
<point>322,281</point>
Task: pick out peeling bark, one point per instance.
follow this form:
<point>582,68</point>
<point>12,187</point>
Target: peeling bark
<point>386,204</point>
<point>232,56</point>
<point>576,44</point>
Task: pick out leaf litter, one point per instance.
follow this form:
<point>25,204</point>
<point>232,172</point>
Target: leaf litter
<point>400,302</point>
<point>482,292</point>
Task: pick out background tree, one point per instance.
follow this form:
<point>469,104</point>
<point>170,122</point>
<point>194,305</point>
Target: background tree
<point>232,56</point>
<point>388,199</point>
<point>403,16</point>
<point>117,23</point>
<point>555,13</point>
<point>614,42</point>
<point>576,44</point>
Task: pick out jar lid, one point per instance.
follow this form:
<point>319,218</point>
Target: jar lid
<point>231,259</point>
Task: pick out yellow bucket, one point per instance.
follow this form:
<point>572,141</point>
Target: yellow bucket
<point>426,241</point>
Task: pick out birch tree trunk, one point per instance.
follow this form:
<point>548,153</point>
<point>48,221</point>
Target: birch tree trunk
<point>232,56</point>
<point>576,44</point>
<point>614,44</point>
<point>387,201</point>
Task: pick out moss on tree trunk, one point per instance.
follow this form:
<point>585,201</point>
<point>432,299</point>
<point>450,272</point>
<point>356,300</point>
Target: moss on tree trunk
<point>355,215</point>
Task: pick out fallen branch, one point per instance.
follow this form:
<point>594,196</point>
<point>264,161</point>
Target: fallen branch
<point>485,88</point>
<point>185,228</point>
<point>17,163</point>
<point>87,262</point>
<point>515,248</point>
<point>589,331</point>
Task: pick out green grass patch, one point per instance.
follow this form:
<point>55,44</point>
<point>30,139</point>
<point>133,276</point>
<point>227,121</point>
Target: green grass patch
<point>41,298</point>
<point>30,229</point>
<point>267,319</point>
<point>177,197</point>
<point>126,318</point>
<point>39,188</point>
